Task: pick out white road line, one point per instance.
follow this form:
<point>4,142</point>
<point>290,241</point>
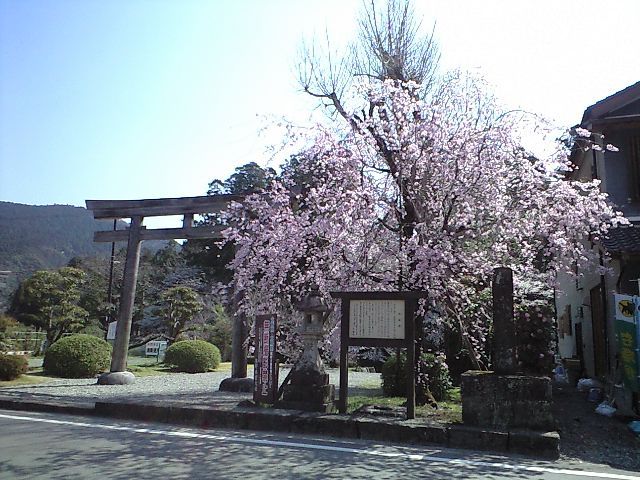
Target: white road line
<point>311,446</point>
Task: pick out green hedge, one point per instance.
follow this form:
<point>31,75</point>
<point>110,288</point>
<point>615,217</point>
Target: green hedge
<point>432,375</point>
<point>77,356</point>
<point>12,366</point>
<point>193,356</point>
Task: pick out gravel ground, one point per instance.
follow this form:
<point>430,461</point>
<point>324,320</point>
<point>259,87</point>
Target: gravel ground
<point>586,436</point>
<point>167,385</point>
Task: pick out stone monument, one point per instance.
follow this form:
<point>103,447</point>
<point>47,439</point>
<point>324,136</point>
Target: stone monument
<point>309,387</point>
<point>505,398</point>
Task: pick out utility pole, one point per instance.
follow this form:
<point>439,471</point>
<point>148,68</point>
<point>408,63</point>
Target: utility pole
<point>109,315</point>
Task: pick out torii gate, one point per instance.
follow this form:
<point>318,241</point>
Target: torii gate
<point>137,210</point>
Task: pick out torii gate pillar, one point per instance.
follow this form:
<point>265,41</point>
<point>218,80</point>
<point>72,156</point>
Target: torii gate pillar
<point>119,374</point>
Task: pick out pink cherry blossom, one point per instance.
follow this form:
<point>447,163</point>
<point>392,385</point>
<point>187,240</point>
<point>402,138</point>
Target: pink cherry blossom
<point>419,193</point>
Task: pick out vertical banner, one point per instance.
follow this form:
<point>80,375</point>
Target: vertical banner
<point>627,322</point>
<point>265,371</point>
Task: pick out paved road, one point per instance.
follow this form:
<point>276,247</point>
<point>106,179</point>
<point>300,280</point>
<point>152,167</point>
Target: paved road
<point>50,446</point>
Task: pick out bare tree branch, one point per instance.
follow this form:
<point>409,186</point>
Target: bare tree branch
<point>390,45</point>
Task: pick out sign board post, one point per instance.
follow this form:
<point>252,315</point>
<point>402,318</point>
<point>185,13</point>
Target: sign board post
<point>378,319</point>
<point>265,371</point>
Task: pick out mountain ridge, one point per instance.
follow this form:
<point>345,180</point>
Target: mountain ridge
<point>41,237</point>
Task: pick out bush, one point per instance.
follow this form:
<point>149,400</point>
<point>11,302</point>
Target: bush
<point>193,356</point>
<point>6,323</point>
<point>370,357</point>
<point>432,375</point>
<point>138,351</point>
<point>12,366</point>
<point>77,356</point>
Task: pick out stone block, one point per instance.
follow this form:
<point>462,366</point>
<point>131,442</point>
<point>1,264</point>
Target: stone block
<point>309,398</point>
<point>533,414</point>
<point>462,436</point>
<point>146,413</point>
<point>244,385</point>
<point>185,416</point>
<point>400,431</point>
<point>435,435</point>
<point>271,420</point>
<point>228,419</point>
<point>506,401</point>
<point>304,423</point>
<point>324,424</point>
<point>525,387</point>
<point>306,406</point>
<point>116,378</point>
<point>374,429</point>
<point>539,444</point>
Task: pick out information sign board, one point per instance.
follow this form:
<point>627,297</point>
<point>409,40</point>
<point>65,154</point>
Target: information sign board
<point>376,319</point>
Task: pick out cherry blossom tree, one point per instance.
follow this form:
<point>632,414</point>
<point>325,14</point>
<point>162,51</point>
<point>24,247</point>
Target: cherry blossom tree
<point>424,193</point>
<point>421,183</point>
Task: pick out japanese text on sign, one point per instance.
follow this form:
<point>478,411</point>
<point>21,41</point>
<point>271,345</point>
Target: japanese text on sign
<point>265,371</point>
<point>382,319</point>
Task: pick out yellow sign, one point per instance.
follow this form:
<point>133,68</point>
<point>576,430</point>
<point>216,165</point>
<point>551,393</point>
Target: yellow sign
<point>625,308</point>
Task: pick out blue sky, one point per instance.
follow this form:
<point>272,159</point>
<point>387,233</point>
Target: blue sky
<point>155,98</point>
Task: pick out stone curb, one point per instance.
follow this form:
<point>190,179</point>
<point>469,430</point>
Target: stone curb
<point>52,407</point>
<point>525,442</point>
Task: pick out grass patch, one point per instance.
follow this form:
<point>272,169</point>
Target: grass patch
<point>22,380</point>
<point>448,411</point>
<point>149,370</point>
<point>225,367</point>
<point>39,372</point>
<point>152,368</point>
<point>140,367</point>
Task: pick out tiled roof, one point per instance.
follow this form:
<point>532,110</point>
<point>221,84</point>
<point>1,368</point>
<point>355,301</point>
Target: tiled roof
<point>625,239</point>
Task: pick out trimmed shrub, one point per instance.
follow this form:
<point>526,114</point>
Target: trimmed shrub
<point>77,356</point>
<point>12,366</point>
<point>193,356</point>
<point>432,375</point>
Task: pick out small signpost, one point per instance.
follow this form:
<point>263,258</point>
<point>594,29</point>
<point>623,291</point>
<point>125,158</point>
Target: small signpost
<point>155,348</point>
<point>111,332</point>
<point>265,371</point>
<point>378,319</point>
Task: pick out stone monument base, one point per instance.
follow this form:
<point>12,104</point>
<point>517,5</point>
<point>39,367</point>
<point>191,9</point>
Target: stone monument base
<point>244,385</point>
<point>506,401</point>
<point>116,378</point>
<point>310,397</point>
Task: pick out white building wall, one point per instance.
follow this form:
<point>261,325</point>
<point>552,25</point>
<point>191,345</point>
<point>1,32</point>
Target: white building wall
<point>611,279</point>
<point>576,293</point>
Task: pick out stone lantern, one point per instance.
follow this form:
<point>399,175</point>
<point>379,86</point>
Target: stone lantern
<point>309,387</point>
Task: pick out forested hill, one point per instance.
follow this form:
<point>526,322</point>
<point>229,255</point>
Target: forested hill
<point>34,237</point>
